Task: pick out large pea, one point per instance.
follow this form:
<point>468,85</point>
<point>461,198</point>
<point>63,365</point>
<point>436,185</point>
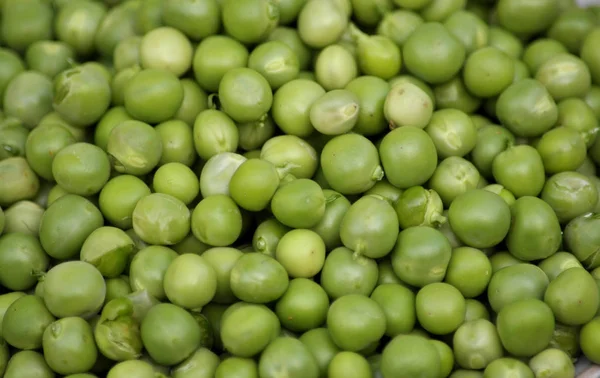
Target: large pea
<point>411,148</point>
<point>22,259</point>
<point>291,155</point>
<point>303,306</point>
<point>245,95</point>
<point>409,356</point>
<point>291,106</point>
<point>161,219</point>
<point>25,22</point>
<point>370,227</point>
<point>350,163</point>
<point>28,97</point>
<point>190,281</point>
<point>514,283</point>
<point>321,23</point>
<point>346,273</point>
<point>535,232</point>
<point>335,113</point>
<point>525,327</point>
<point>570,194</point>
<point>70,214</point>
<point>81,168</point>
<point>134,147</point>
<point>25,321</point>
<point>520,169</point>
<point>69,347</point>
<point>453,177</point>
<point>253,184</point>
<point>217,221</point>
<point>421,256</point>
<point>275,61</point>
<point>552,361</point>
<point>573,297</point>
<point>440,308</point>
<point>476,343</point>
<point>247,329</point>
<point>565,75</point>
<point>335,67</point>
<point>469,271</point>
<point>406,104</point>
<point>398,304</point>
<point>28,362</point>
<point>299,203</point>
<point>214,132</point>
<point>258,278</point>
<point>562,149</point>
<point>119,197</point>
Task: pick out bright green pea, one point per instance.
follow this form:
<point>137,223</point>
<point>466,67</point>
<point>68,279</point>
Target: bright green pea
<point>275,61</point>
<point>291,106</point>
<point>299,203</point>
<point>214,57</point>
<point>177,141</point>
<point>81,168</point>
<point>469,29</point>
<point>440,61</point>
<point>134,148</point>
<point>245,95</point>
<point>108,249</point>
<point>452,132</point>
<point>565,75</point>
<point>540,51</point>
<point>177,180</point>
<point>488,71</point>
<point>520,169</point>
<point>195,100</point>
<point>527,18</point>
<point>214,132</point>
<point>118,23</point>
<point>576,114</point>
<point>153,95</point>
<point>166,48</point>
<point>111,119</point>
<point>440,10</point>
<point>217,172</point>
<point>589,54</point>
<point>570,194</point>
<point>118,198</point>
<point>335,113</point>
<point>291,37</point>
<point>119,83</point>
<point>249,21</point>
<point>503,40</point>
<point>253,184</point>
<point>161,219</point>
<point>197,19</point>
<point>453,177</point>
<point>335,67</point>
<point>377,55</point>
<point>562,149</point>
<point>321,23</point>
<point>371,92</point>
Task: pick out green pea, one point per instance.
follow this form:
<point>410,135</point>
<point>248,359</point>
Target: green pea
<point>120,82</point>
<point>421,256</point>
<point>590,55</point>
<point>291,37</point>
<point>190,281</point>
<point>127,53</point>
<point>454,94</point>
<point>570,194</point>
<point>288,10</point>
<point>12,65</point>
<point>197,20</point>
<point>527,108</point>
<point>253,135</point>
<point>69,347</point>
<point>118,198</point>
<point>321,23</point>
<point>118,23</point>
<point>453,177</point>
<point>178,180</point>
<point>540,51</point>
<point>525,327</point>
<point>49,57</point>
<point>335,67</point>
<point>26,22</point>
<point>253,184</point>
<point>245,95</point>
<point>14,141</point>
<point>28,362</point>
<point>565,75</point>
<point>553,361</point>
<point>108,249</point>
<point>351,164</point>
<point>153,95</point>
<point>506,195</point>
<point>371,92</point>
<point>240,19</point>
<point>468,28</point>
<point>17,181</point>
<point>491,141</point>
<point>166,48</point>
<point>195,100</point>
<point>345,272</point>
<point>440,308</point>
<point>452,132</point>
<point>592,99</point>
<point>488,71</point>
<point>418,206</point>
<point>476,344</point>
<point>81,168</point>
<point>562,149</point>
<point>275,61</point>
<point>335,113</point>
<point>588,341</point>
<point>161,219</point>
<point>377,55</point>
<point>217,221</point>
<point>28,97</point>
<point>290,155</point>
<point>535,230</point>
<point>214,132</point>
<point>215,56</point>
<point>134,148</point>
<point>177,142</point>
<point>571,27</point>
<point>291,106</point>
<point>217,172</point>
<point>113,117</point>
<point>409,147</point>
<point>435,65</point>
<point>521,71</point>
<point>516,16</point>
<point>399,24</point>
<point>258,278</point>
<point>411,355</point>
<point>575,114</point>
<point>23,217</point>
<point>520,169</point>
<point>26,334</point>
<point>407,105</point>
<point>302,253</point>
<point>476,310</point>
<point>504,40</point>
